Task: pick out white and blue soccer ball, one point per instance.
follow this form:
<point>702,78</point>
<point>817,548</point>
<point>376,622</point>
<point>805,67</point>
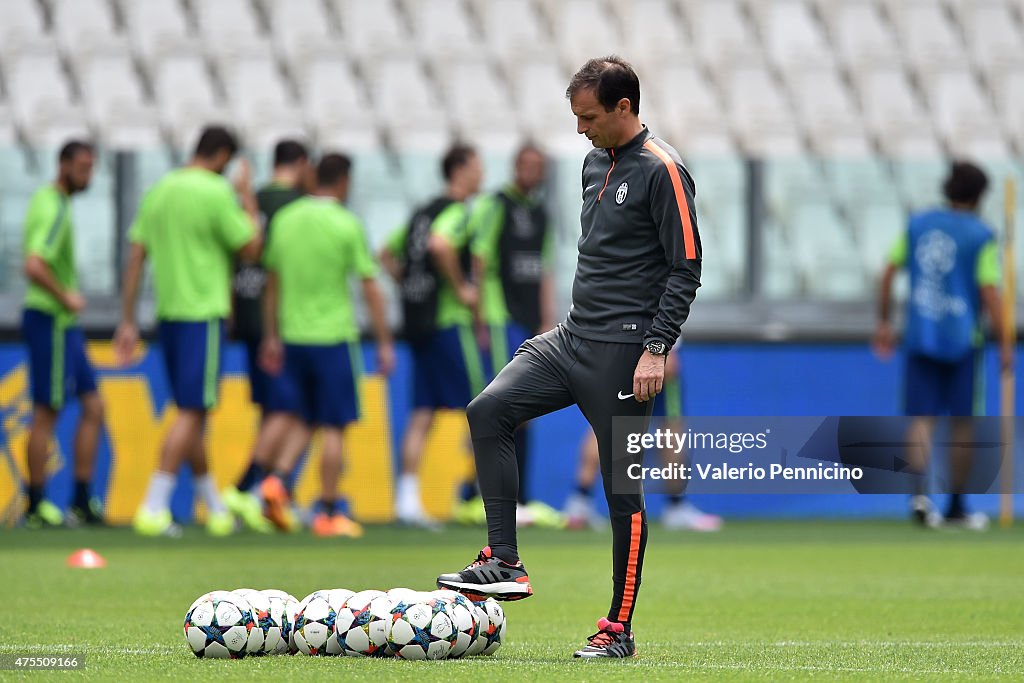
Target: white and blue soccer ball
<point>362,624</point>
<point>421,630</point>
<point>462,612</point>
<point>491,635</point>
<point>313,628</point>
<point>282,611</point>
<point>219,625</point>
<point>268,634</point>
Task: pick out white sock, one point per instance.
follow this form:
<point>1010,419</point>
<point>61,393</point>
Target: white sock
<point>158,493</point>
<point>208,490</point>
<point>408,487</point>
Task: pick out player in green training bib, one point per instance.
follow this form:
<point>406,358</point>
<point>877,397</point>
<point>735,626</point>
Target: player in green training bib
<point>430,259</point>
<point>191,226</point>
<point>58,365</point>
<point>311,335</point>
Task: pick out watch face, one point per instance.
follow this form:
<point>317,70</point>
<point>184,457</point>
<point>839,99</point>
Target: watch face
<point>657,348</point>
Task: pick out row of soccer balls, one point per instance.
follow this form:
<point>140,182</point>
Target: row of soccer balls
<point>371,623</point>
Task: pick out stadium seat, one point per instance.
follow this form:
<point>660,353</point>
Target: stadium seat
<point>893,112</point>
<point>686,110</point>
<point>827,111</point>
<point>792,36</point>
<point>512,30</point>
<point>443,31</point>
<point>538,94</point>
<point>1009,98</point>
<point>582,32</point>
<point>859,33</point>
<point>722,34</point>
<point>653,35</point>
<point>760,113</point>
<point>185,98</point>
<point>157,28</point>
<point>372,30</point>
<point>961,112</point>
<point>22,29</point>
<point>927,36</point>
<point>993,36</point>
<point>481,109</point>
<point>41,100</point>
<point>84,26</point>
<point>115,104</point>
<point>228,29</point>
<point>300,30</point>
<point>261,101</point>
<point>408,105</point>
<point>335,103</point>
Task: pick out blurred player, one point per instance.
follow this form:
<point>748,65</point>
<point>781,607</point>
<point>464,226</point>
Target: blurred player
<point>192,227</point>
<point>637,274</point>
<point>58,365</point>
<point>310,325</point>
<point>289,182</point>
<point>430,259</point>
<point>953,261</point>
<point>510,249</point>
<point>680,513</point>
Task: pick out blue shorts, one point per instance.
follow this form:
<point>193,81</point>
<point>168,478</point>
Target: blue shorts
<point>669,403</point>
<point>263,387</point>
<point>58,366</point>
<point>935,387</point>
<point>505,341</point>
<point>193,357</point>
<point>447,370</point>
<point>321,383</point>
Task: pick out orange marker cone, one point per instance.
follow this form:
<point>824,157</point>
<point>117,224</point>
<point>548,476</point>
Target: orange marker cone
<point>86,558</point>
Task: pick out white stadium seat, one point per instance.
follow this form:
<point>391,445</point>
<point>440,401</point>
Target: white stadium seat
<point>115,103</point>
<point>480,106</point>
<point>157,28</point>
<point>22,29</point>
<point>185,97</point>
<point>722,35</point>
<point>372,30</point>
<point>260,101</point>
<point>336,105</point>
<point>228,28</point>
<point>409,105</point>
<point>859,33</point>
<point>443,31</point>
<point>85,26</point>
<point>301,30</point>
<point>792,36</point>
<point>41,100</point>
<point>760,114</point>
<point>927,36</point>
<point>512,30</point>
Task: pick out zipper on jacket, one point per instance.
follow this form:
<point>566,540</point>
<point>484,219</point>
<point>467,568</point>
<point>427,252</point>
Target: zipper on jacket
<point>607,177</point>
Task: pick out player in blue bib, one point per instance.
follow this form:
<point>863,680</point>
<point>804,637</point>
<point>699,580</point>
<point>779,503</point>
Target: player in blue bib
<point>953,261</point>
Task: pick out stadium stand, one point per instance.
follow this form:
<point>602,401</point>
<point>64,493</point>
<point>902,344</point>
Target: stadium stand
<point>868,88</point>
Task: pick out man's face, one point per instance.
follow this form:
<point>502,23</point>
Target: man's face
<point>601,127</point>
<point>529,170</point>
<point>472,173</point>
<point>76,172</point>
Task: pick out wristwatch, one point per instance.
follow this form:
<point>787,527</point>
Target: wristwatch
<point>656,347</point>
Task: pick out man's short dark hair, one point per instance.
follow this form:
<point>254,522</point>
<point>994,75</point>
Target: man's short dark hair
<point>528,147</point>
<point>213,139</point>
<point>332,168</point>
<point>965,183</point>
<point>456,157</point>
<point>71,149</point>
<point>612,78</point>
<point>288,152</point>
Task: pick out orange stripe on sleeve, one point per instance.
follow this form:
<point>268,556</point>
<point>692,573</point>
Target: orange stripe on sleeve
<point>677,187</point>
<point>629,591</point>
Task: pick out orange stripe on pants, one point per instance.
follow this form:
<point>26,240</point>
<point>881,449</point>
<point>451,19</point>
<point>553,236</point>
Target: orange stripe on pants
<point>629,591</point>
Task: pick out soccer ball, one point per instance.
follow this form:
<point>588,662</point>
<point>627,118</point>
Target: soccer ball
<point>313,628</point>
<point>494,632</point>
<point>292,611</point>
<point>282,607</point>
<point>421,630</point>
<point>483,624</point>
<point>269,629</point>
<point>467,627</point>
<point>361,627</point>
<point>219,625</point>
<point>406,595</point>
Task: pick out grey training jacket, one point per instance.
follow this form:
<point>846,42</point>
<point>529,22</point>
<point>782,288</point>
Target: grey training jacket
<point>639,253</point>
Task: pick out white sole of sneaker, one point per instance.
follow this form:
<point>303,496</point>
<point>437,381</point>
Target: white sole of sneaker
<point>496,590</point>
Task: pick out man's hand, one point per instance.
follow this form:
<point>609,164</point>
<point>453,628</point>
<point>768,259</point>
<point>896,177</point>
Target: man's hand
<point>272,355</point>
<point>385,358</point>
<point>884,341</point>
<point>243,177</point>
<point>649,377</point>
<point>126,340</point>
<point>74,302</point>
<point>468,295</point>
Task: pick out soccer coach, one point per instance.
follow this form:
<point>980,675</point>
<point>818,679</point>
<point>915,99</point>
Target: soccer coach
<point>636,277</point>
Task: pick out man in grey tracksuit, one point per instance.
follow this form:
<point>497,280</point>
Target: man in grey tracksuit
<point>638,272</point>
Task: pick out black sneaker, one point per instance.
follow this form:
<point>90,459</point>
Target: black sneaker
<point>611,640</point>
<point>489,577</point>
<point>91,515</point>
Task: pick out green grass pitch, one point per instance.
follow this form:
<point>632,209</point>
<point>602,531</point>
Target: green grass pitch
<point>761,601</point>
